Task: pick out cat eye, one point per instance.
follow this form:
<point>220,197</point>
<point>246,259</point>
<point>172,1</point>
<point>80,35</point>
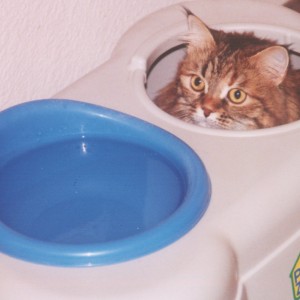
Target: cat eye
<point>197,83</point>
<point>237,96</point>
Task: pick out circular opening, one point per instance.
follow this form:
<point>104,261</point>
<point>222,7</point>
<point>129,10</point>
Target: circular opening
<point>82,185</point>
<point>163,67</point>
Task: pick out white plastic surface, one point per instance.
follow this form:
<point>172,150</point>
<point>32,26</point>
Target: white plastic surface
<point>248,241</point>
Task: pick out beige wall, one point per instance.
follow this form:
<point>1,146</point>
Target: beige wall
<point>46,45</point>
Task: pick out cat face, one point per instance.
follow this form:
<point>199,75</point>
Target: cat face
<point>230,80</point>
<point>217,95</point>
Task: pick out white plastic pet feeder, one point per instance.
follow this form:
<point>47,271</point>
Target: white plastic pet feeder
<point>245,245</point>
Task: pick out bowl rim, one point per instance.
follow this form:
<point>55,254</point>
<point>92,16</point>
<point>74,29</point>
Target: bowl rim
<point>196,199</point>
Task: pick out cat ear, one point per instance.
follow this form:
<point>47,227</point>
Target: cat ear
<point>272,62</point>
<point>199,35</point>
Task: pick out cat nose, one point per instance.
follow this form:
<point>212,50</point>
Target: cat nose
<point>206,112</point>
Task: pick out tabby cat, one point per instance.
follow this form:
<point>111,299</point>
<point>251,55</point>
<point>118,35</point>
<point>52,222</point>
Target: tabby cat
<point>233,81</point>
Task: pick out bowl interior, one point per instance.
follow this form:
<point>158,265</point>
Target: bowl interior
<point>84,185</point>
<point>88,190</point>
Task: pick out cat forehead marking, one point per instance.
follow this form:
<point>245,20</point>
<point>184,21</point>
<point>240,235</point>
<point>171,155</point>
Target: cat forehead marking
<point>221,86</point>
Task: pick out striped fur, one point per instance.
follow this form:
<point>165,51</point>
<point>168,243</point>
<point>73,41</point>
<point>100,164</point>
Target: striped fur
<point>259,68</point>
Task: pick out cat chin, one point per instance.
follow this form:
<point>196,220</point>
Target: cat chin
<point>206,123</point>
<point>214,124</point>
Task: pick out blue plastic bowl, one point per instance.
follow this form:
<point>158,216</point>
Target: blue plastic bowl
<point>81,185</point>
